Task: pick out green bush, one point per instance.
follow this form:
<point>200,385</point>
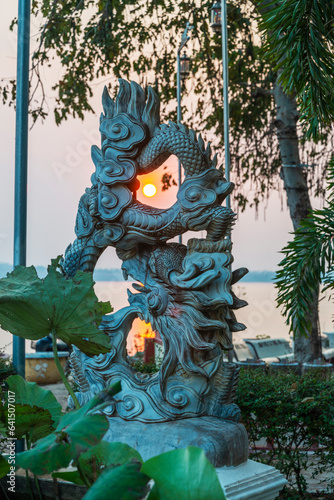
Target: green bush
<point>142,367</point>
<point>6,367</point>
<point>294,414</point>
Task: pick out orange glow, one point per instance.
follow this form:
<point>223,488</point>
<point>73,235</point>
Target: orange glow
<point>149,190</point>
<point>148,333</point>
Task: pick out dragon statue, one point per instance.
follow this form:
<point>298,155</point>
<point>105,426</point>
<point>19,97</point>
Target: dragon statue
<point>183,291</point>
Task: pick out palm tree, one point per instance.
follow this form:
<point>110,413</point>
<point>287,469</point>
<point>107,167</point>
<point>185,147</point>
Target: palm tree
<point>308,264</point>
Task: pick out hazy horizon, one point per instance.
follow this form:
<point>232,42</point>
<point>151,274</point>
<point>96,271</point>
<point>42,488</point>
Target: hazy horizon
<point>115,274</point>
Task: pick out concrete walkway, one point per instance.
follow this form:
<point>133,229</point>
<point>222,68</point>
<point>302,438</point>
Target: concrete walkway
<point>60,392</point>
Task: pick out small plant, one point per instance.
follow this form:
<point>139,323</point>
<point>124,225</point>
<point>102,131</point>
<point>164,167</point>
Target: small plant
<point>142,367</point>
<point>6,366</point>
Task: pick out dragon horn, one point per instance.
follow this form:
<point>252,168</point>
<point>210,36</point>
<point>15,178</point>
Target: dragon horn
<point>137,101</point>
<point>123,97</point>
<point>107,103</point>
<point>151,114</point>
<point>208,151</point>
<point>200,142</point>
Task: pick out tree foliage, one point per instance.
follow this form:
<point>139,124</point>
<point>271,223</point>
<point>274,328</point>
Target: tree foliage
<point>99,40</point>
<point>300,43</point>
<point>105,40</point>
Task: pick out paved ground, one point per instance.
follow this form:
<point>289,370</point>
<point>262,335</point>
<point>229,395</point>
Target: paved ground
<point>314,484</point>
<point>60,392</point>
<point>321,481</point>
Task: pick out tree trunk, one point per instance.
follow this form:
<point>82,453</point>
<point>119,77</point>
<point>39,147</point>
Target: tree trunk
<point>295,184</point>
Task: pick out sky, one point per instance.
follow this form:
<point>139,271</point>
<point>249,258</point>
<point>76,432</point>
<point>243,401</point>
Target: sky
<point>59,171</point>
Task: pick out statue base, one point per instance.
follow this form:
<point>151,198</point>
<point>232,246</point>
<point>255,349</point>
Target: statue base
<point>225,442</point>
<point>251,480</point>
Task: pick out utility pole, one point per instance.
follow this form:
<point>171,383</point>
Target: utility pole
<point>181,72</point>
<point>21,158</point>
<point>219,25</point>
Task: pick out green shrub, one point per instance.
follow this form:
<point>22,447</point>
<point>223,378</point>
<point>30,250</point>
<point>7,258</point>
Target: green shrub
<point>142,367</point>
<point>6,367</point>
<point>293,414</point>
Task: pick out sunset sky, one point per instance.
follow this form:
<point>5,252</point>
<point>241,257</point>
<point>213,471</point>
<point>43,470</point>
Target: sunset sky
<point>59,171</point>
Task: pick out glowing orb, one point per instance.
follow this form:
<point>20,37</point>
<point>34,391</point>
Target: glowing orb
<point>149,190</point>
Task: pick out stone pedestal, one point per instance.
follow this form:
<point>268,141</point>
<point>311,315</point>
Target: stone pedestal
<point>251,481</point>
<point>225,442</point>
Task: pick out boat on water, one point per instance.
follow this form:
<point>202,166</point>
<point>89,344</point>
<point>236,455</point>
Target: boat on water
<point>276,350</point>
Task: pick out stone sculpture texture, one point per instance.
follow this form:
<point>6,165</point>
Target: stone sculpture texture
<point>184,291</point>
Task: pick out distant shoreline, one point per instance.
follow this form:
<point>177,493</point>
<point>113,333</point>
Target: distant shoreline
<point>117,275</point>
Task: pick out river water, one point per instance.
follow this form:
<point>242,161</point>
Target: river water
<point>261,316</point>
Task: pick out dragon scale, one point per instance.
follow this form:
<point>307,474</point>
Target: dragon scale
<point>179,141</point>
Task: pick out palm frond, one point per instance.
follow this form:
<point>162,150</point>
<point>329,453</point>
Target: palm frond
<point>300,44</point>
<point>308,262</point>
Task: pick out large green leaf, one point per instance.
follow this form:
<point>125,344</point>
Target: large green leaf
<point>86,432</point>
<point>72,476</point>
<point>65,444</point>
<point>184,474</point>
<point>32,422</point>
<point>3,428</point>
<point>4,466</point>
<point>125,482</point>
<point>32,308</point>
<point>94,461</point>
<point>105,454</point>
<point>50,453</point>
<point>76,433</point>
<point>37,411</point>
